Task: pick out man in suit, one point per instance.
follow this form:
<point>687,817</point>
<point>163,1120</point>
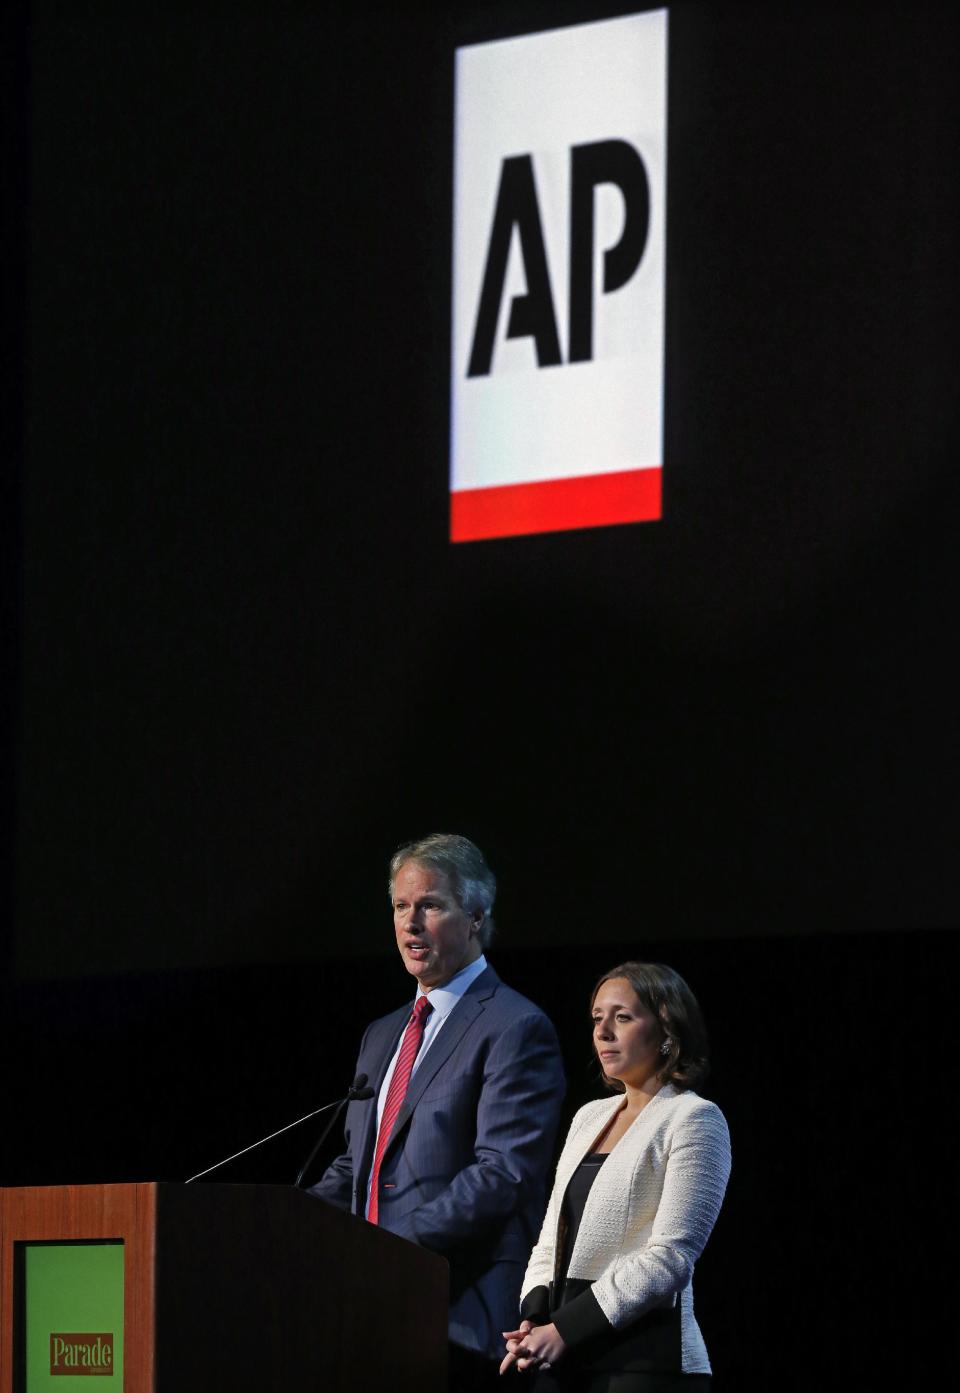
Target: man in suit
<point>455,1154</point>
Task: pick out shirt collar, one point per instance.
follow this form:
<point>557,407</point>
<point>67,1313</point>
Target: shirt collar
<point>443,999</point>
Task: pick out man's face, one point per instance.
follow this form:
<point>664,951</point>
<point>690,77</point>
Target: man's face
<point>435,936</point>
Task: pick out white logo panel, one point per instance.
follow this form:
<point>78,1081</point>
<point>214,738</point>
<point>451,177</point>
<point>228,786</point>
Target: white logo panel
<point>559,231</point>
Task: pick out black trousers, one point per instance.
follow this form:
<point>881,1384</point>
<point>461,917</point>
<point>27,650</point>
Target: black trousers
<point>469,1372</point>
<point>627,1381</point>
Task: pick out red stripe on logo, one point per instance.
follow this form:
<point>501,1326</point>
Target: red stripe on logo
<point>557,505</point>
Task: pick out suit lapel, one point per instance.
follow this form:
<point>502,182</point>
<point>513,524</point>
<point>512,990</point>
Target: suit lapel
<point>459,1021</point>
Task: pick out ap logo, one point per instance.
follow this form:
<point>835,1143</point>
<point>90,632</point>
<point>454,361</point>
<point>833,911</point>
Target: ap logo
<point>559,229</point>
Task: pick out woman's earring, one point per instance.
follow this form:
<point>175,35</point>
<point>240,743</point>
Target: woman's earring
<point>666,1046</point>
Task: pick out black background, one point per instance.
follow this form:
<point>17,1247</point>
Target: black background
<point>242,662</point>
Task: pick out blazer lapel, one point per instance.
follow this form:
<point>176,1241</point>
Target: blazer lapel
<point>570,1163</point>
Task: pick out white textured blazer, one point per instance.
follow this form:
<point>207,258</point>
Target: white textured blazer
<point>649,1212</point>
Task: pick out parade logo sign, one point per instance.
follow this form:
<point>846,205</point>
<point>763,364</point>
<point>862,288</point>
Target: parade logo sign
<point>558,297</point>
<point>81,1354</point>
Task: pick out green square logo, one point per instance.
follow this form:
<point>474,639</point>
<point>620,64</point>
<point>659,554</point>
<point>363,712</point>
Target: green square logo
<point>73,1308</point>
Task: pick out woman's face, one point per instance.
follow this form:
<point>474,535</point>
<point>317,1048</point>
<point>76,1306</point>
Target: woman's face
<point>626,1035</point>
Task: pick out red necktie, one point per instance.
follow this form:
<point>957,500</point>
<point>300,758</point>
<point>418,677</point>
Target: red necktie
<point>412,1037</point>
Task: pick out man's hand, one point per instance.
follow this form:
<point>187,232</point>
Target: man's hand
<point>532,1347</point>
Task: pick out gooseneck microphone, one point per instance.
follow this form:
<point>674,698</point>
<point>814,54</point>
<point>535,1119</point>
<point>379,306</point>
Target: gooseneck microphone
<point>355,1093</point>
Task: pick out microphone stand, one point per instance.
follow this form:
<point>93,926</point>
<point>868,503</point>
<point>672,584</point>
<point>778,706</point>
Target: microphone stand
<point>356,1093</point>
<point>356,1089</point>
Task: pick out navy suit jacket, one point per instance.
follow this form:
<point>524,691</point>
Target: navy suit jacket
<point>466,1168</point>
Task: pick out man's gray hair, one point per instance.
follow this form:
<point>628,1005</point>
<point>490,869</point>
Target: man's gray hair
<point>473,883</point>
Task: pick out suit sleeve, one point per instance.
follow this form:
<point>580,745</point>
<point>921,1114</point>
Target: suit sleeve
<point>336,1184</point>
<point>517,1115</point>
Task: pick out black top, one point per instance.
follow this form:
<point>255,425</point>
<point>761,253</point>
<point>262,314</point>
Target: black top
<point>574,1203</point>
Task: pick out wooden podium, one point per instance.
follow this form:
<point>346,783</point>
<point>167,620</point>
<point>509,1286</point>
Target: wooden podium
<point>241,1287</point>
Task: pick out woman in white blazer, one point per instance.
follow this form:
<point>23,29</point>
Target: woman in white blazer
<point>607,1300</point>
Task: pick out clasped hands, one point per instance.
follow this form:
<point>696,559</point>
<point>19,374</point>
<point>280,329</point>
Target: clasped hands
<point>532,1347</point>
